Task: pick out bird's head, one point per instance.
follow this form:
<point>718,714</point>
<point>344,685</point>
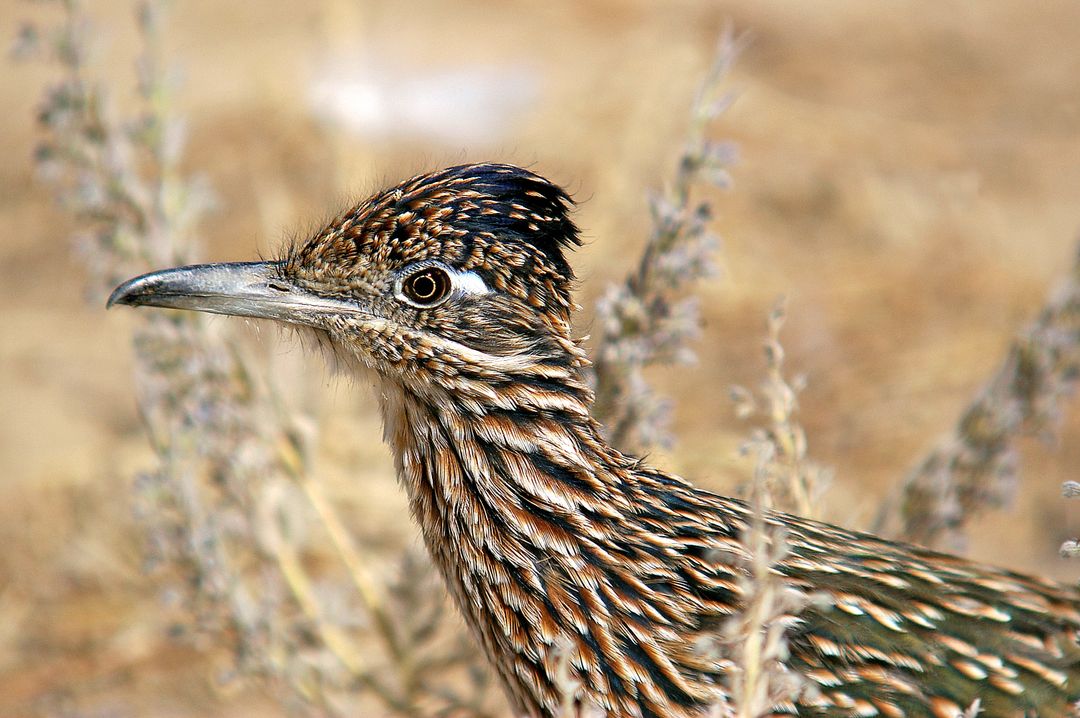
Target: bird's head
<point>455,269</point>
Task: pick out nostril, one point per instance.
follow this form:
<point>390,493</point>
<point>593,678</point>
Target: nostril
<point>277,286</point>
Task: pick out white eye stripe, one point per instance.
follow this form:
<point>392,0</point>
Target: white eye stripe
<point>468,282</point>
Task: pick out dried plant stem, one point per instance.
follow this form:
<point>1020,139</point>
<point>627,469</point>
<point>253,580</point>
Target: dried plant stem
<point>756,637</point>
<point>342,646</point>
<point>793,482</point>
<point>1070,548</point>
<point>752,699</point>
<point>339,644</point>
<point>974,467</point>
<point>370,596</point>
<point>645,320</point>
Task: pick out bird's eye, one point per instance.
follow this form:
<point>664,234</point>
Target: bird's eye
<point>427,287</point>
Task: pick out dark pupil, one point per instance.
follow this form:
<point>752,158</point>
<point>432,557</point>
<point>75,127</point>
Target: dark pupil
<point>424,287</point>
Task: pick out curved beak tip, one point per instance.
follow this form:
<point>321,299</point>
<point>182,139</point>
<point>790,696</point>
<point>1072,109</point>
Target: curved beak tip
<point>121,295</point>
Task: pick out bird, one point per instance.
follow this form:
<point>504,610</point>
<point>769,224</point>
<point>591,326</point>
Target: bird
<point>451,294</point>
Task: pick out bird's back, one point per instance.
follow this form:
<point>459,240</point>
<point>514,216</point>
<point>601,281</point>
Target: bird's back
<point>899,630</point>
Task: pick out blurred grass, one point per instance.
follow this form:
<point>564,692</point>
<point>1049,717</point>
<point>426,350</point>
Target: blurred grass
<point>907,178</point>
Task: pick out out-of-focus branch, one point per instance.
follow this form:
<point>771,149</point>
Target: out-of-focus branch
<point>975,467</point>
<point>792,481</point>
<point>755,639</point>
<point>645,319</point>
<point>1070,548</point>
<point>224,508</point>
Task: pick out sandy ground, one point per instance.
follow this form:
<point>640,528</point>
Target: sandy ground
<point>909,178</point>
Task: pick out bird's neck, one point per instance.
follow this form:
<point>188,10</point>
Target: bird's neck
<point>541,529</point>
<point>509,481</point>
<point>516,458</point>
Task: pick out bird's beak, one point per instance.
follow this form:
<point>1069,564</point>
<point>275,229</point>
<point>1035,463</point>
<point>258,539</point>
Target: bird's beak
<point>241,289</point>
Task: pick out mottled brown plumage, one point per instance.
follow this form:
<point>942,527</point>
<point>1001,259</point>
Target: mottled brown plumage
<point>451,292</point>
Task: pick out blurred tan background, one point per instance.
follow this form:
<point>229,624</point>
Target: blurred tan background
<point>909,178</point>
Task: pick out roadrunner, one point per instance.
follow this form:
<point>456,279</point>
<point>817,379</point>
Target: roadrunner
<point>452,293</point>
